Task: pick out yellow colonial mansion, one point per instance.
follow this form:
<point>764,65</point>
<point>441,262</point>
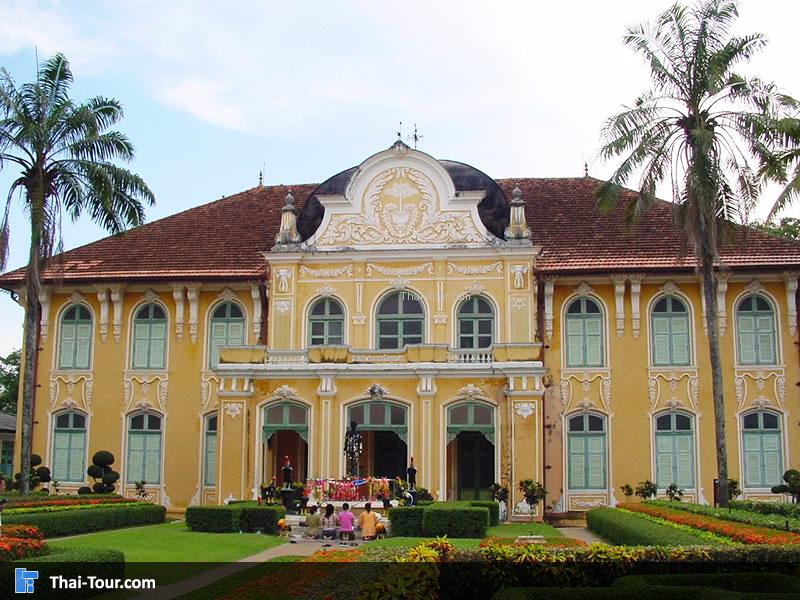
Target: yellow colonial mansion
<point>493,330</point>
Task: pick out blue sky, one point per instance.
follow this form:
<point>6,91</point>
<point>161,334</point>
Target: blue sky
<point>214,90</point>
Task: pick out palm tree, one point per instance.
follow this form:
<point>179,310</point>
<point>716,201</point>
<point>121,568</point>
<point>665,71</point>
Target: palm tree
<point>712,134</point>
<point>64,154</point>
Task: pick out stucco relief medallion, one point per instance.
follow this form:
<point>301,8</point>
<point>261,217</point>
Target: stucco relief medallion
<point>524,409</point>
<point>233,409</point>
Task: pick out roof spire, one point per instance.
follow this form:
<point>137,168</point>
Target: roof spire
<point>287,235</point>
<point>585,169</point>
<point>517,230</point>
<point>260,178</point>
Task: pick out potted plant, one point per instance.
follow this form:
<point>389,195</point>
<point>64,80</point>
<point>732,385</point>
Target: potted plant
<point>533,492</point>
<point>646,489</point>
<point>627,491</point>
<point>674,493</point>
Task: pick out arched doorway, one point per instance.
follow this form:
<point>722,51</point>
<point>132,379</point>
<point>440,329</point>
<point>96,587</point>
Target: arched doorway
<point>384,429</point>
<point>470,450</point>
<point>285,434</point>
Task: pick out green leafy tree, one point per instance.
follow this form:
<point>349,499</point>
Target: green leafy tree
<point>711,133</point>
<point>787,227</point>
<point>9,382</point>
<point>792,485</point>
<point>65,156</point>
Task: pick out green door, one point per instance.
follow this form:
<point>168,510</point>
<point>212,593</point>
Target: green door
<point>475,466</point>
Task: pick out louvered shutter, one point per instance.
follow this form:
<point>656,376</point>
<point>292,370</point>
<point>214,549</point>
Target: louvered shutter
<point>747,340</point>
<point>680,340</point>
<point>158,335</point>
<point>235,333</point>
<point>60,455</point>
<point>574,342</point>
<point>135,456</point>
<point>766,340</point>
<point>141,339</point>
<point>752,460</point>
<point>664,460</point>
<point>661,340</point>
<point>577,462</point>
<point>218,332</point>
<point>152,466</point>
<point>83,345</point>
<point>597,462</point>
<point>211,458</point>
<point>771,447</point>
<point>66,358</point>
<point>76,456</point>
<point>684,461</point>
<point>594,342</point>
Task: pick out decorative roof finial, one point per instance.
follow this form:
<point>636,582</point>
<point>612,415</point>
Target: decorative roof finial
<point>416,137</point>
<point>517,229</point>
<point>260,178</point>
<point>287,234</point>
<point>585,169</point>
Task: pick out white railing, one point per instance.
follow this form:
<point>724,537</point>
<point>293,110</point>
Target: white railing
<point>483,355</point>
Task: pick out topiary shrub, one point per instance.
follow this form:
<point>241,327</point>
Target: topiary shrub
<point>214,519</point>
<point>646,489</point>
<point>37,475</point>
<point>406,521</point>
<point>455,522</point>
<point>492,507</point>
<point>84,489</point>
<point>100,470</point>
<point>72,522</point>
<point>261,518</point>
<point>791,487</point>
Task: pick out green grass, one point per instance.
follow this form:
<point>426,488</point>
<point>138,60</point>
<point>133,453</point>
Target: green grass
<point>407,542</point>
<point>514,529</point>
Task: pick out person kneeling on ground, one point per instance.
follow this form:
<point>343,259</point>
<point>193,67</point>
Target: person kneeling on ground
<point>368,522</point>
<point>313,523</point>
<point>346,521</point>
<point>329,522</point>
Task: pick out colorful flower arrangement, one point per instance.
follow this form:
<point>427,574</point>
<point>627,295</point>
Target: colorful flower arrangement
<point>27,532</point>
<point>18,548</point>
<point>14,510</point>
<point>746,534</point>
<point>551,542</point>
<point>64,502</point>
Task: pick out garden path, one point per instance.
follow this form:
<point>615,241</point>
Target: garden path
<point>581,533</point>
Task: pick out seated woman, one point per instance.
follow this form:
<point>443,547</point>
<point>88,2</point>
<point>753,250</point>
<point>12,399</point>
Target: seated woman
<point>346,523</point>
<point>313,523</point>
<point>368,522</point>
<point>329,523</point>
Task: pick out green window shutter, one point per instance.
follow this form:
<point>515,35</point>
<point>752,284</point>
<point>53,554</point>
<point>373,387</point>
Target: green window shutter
<point>773,471</point>
<point>83,345</point>
<point>577,462</point>
<point>211,458</point>
<point>141,339</point>
<point>594,341</point>
<point>60,455</point>
<point>158,335</point>
<point>574,342</point>
<point>135,456</point>
<point>236,333</point>
<point>66,358</point>
<point>661,349</point>
<point>152,467</point>
<point>597,470</point>
<point>684,461</point>
<point>766,348</point>
<point>747,339</point>
<point>76,456</point>
<point>752,460</point>
<point>680,340</point>
<point>664,460</point>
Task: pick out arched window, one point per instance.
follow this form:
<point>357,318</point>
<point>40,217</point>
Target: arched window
<point>400,320</point>
<point>285,416</point>
<point>69,447</point>
<point>584,333</point>
<point>76,338</point>
<point>470,416</point>
<point>586,449</point>
<point>762,444</point>
<point>227,329</point>
<point>144,448</point>
<point>755,324</point>
<point>149,337</point>
<point>670,332</point>
<point>674,450</point>
<point>475,323</point>
<point>210,451</point>
<point>326,323</point>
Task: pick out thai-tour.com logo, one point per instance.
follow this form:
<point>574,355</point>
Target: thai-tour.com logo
<point>24,582</point>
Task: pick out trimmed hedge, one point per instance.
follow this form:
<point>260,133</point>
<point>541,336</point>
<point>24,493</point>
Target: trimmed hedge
<point>619,527</point>
<point>264,518</point>
<point>768,508</point>
<point>406,521</point>
<point>455,522</point>
<point>492,506</point>
<point>737,515</point>
<point>214,519</point>
<point>234,517</point>
<point>72,522</point>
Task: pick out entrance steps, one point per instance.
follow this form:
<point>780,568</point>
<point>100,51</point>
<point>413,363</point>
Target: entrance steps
<point>572,518</point>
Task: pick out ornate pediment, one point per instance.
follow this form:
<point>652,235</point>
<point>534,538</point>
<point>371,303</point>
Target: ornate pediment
<point>401,197</point>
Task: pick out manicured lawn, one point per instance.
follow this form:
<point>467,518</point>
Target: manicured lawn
<point>173,542</point>
<point>407,542</point>
<point>514,529</point>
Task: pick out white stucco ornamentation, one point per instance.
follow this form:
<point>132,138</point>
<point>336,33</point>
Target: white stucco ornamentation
<point>307,273</point>
<point>524,409</point>
<point>404,271</point>
<point>474,269</point>
<point>233,409</point>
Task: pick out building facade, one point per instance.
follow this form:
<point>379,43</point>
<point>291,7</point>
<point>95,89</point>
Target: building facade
<point>492,330</point>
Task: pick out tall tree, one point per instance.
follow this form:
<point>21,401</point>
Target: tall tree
<point>64,153</point>
<point>9,382</point>
<point>712,134</point>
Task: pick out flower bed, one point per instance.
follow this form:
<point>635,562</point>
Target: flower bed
<point>708,536</point>
<point>768,508</point>
<point>13,504</point>
<point>48,508</point>
<point>549,542</point>
<point>26,532</point>
<point>773,521</point>
<point>747,534</point>
<point>623,527</point>
<point>18,548</point>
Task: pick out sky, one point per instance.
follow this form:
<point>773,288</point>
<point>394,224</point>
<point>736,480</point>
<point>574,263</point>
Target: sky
<point>214,92</point>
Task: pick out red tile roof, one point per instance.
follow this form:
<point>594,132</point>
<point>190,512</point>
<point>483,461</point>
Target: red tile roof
<point>223,240</point>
